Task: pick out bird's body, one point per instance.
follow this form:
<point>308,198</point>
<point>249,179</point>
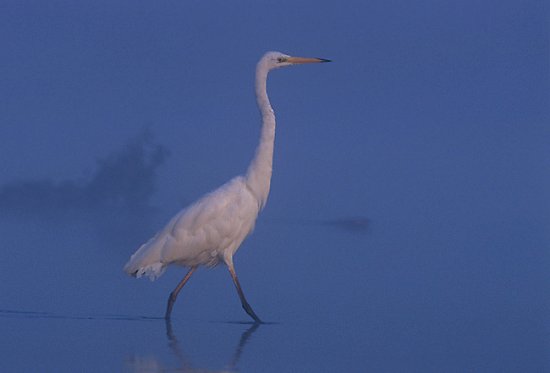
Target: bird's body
<point>211,230</point>
<point>206,233</point>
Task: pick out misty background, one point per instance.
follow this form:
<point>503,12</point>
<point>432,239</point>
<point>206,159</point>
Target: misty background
<point>408,223</point>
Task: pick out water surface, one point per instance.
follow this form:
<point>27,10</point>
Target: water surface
<point>339,294</point>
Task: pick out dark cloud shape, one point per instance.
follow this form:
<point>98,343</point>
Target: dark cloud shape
<point>356,224</point>
<point>351,224</point>
<point>124,180</point>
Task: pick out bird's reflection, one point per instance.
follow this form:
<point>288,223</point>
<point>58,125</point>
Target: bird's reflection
<point>184,362</point>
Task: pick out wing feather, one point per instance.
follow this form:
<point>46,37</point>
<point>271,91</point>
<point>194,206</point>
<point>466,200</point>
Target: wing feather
<point>202,234</point>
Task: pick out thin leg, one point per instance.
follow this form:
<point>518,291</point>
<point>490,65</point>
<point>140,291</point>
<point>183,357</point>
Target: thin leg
<point>245,304</point>
<point>174,294</point>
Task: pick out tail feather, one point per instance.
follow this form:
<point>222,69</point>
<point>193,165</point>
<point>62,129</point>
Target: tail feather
<point>153,271</point>
<point>146,261</point>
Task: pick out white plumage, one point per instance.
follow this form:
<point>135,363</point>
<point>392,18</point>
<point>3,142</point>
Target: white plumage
<point>205,233</point>
<point>211,230</point>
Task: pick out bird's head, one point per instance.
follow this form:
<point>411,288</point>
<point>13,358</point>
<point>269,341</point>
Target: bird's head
<point>274,60</point>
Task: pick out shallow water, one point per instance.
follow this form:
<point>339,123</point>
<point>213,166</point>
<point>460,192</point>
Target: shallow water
<point>336,295</point>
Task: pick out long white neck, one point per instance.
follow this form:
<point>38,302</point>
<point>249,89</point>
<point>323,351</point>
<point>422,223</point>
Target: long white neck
<point>258,176</point>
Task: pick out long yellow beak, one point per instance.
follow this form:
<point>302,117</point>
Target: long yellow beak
<point>299,60</point>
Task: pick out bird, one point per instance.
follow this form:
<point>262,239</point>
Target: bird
<point>211,230</point>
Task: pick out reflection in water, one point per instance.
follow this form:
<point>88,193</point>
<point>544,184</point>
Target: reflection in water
<point>151,364</point>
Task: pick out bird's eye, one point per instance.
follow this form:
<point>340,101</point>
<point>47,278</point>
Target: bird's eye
<point>281,59</point>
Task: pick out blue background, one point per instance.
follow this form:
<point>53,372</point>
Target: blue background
<point>408,224</point>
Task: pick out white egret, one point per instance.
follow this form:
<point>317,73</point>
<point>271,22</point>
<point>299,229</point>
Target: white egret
<point>211,230</point>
